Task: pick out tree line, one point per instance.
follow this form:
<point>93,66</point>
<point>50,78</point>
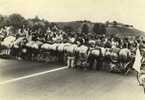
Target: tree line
<point>16,21</point>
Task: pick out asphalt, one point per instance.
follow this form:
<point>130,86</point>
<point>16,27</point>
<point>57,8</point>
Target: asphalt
<point>65,84</point>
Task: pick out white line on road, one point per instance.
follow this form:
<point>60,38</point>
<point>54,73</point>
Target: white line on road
<point>32,75</point>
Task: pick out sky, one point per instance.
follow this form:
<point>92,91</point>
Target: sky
<point>125,11</point>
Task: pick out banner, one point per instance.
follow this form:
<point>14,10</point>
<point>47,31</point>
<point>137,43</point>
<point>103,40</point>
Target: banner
<point>137,62</point>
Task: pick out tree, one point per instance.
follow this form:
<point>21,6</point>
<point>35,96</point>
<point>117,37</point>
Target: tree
<point>107,23</point>
<point>36,19</point>
<point>85,28</point>
<point>96,28</point>
<point>99,28</point>
<point>115,23</point>
<point>68,29</point>
<point>103,29</point>
<point>16,21</point>
<point>1,21</point>
<point>37,25</point>
<point>1,18</point>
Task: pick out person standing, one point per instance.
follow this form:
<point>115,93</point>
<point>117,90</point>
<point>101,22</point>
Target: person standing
<point>71,57</point>
<point>139,63</point>
<point>70,60</point>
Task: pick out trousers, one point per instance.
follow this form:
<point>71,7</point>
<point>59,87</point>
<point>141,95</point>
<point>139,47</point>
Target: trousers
<point>70,62</point>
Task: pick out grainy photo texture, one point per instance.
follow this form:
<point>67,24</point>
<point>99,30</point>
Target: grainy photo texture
<point>72,50</point>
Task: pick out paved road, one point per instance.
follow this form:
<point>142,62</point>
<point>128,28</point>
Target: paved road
<point>64,84</point>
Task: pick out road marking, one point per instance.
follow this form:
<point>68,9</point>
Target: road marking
<point>32,75</point>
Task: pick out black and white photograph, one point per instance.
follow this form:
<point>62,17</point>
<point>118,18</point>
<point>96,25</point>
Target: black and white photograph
<point>72,49</point>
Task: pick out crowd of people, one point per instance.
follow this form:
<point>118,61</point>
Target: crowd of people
<point>102,51</point>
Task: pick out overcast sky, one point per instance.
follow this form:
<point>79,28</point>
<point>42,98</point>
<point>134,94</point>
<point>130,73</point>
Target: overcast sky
<point>125,11</point>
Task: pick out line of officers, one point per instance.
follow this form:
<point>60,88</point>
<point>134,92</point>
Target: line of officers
<point>76,54</point>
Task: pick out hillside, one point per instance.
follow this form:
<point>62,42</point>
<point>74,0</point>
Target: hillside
<point>76,26</point>
<point>123,30</point>
<point>111,27</point>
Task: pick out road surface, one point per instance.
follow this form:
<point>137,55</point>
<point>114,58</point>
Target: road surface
<point>23,80</point>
